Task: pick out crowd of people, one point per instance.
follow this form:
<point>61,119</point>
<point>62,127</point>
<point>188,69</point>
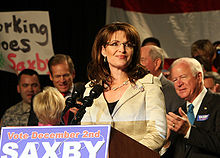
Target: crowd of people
<point>176,116</point>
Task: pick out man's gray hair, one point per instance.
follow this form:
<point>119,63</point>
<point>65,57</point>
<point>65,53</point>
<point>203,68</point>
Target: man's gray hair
<point>194,65</point>
<point>157,52</point>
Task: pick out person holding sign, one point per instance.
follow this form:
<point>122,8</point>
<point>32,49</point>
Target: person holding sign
<point>28,86</point>
<point>132,100</point>
<point>48,106</point>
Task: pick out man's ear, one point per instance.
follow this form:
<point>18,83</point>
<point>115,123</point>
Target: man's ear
<point>74,75</point>
<point>199,75</point>
<point>157,63</point>
<point>18,88</point>
<point>51,77</point>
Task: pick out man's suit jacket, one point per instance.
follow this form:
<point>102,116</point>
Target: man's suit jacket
<point>172,100</point>
<point>204,138</point>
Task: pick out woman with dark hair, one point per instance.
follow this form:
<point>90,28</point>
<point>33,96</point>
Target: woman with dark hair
<point>205,49</point>
<point>216,62</point>
<point>132,100</point>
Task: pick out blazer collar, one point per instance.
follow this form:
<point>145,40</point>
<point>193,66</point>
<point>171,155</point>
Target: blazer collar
<point>129,93</point>
<point>204,107</point>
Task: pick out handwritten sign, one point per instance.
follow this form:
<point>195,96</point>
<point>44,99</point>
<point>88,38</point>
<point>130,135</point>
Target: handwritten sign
<point>25,41</point>
<point>55,141</point>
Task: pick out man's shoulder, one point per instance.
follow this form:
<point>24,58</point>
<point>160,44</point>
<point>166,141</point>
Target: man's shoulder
<point>167,85</point>
<point>14,108</point>
<point>213,98</point>
<point>15,116</point>
<point>166,82</point>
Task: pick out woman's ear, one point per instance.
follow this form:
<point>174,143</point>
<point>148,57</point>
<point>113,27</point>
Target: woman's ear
<point>103,51</point>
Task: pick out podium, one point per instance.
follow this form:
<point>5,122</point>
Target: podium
<point>122,146</point>
<point>87,141</point>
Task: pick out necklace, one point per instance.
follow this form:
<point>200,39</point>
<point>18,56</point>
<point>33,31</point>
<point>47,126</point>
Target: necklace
<point>124,83</point>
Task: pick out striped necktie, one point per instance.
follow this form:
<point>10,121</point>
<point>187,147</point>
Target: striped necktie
<point>190,114</point>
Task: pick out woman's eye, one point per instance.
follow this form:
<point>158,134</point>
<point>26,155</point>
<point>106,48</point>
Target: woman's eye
<point>114,44</point>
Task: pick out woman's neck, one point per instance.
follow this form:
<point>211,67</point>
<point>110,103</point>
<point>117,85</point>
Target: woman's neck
<point>118,76</point>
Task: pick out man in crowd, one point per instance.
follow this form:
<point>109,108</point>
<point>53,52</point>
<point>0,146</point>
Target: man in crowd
<point>28,86</point>
<point>212,81</point>
<point>152,57</point>
<point>195,127</point>
<point>62,74</point>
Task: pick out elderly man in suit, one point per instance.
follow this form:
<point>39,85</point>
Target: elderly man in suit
<point>152,57</point>
<point>195,127</point>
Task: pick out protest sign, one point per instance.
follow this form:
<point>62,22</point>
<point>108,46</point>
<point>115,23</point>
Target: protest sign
<point>25,41</point>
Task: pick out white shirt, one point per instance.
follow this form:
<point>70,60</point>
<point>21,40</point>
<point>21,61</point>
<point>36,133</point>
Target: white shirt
<point>69,94</point>
<point>160,76</point>
<point>196,103</point>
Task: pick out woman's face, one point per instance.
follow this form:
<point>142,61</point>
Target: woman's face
<point>118,51</point>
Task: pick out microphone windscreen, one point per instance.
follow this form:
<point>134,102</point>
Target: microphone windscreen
<point>96,91</point>
<point>79,89</point>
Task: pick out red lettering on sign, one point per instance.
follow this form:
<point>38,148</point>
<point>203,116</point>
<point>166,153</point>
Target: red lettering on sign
<point>36,63</point>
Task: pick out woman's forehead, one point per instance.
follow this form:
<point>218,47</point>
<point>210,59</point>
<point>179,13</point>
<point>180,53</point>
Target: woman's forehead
<point>118,35</point>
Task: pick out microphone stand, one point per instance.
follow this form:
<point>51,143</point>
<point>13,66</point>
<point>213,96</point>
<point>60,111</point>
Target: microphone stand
<point>70,102</point>
<point>87,101</point>
<point>78,90</point>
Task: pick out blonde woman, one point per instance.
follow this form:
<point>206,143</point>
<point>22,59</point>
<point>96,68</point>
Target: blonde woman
<point>48,106</point>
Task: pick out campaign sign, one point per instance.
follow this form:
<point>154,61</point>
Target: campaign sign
<point>55,141</point>
<point>26,41</point>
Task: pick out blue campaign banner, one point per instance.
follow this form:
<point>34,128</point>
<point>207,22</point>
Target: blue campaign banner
<point>55,141</point>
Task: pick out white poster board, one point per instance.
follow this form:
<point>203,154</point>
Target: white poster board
<point>25,41</point>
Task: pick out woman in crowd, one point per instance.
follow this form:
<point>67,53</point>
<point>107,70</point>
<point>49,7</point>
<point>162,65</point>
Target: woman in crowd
<point>48,106</point>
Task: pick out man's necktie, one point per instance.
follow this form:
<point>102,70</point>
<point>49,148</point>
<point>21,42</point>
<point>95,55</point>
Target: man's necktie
<point>190,114</point>
<point>66,115</point>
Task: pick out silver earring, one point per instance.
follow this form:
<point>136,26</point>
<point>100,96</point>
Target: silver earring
<point>105,59</point>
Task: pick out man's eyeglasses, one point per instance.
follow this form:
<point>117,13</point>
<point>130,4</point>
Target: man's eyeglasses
<point>116,45</point>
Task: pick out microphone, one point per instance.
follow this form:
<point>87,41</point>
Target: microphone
<point>78,90</point>
<point>87,101</point>
<point>93,94</point>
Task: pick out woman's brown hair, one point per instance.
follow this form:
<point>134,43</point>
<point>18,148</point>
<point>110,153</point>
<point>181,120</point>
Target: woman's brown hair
<point>98,70</point>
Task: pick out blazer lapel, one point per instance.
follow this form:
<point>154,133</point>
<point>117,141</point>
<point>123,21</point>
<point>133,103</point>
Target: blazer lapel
<point>104,111</point>
<point>184,108</point>
<point>203,109</point>
<point>129,93</point>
